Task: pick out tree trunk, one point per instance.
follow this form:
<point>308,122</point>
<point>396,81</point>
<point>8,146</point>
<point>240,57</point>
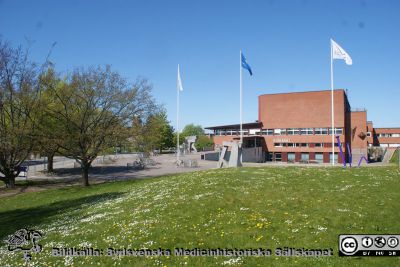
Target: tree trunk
<point>85,174</point>
<point>50,160</point>
<point>10,181</point>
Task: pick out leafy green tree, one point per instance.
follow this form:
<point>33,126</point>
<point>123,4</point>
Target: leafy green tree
<point>203,141</point>
<point>19,93</point>
<point>167,140</point>
<point>192,129</point>
<point>47,125</point>
<point>158,132</point>
<point>90,108</point>
<point>181,138</point>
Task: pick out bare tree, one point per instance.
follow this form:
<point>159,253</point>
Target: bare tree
<point>18,101</point>
<point>91,108</point>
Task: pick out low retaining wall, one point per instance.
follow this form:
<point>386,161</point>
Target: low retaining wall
<point>253,154</point>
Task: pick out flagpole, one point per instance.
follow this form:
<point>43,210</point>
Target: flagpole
<point>332,110</point>
<point>177,119</point>
<point>241,93</point>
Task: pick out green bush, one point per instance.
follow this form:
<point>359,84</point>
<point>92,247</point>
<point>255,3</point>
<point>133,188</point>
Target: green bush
<point>203,141</point>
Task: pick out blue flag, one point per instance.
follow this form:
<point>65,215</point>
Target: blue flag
<point>245,65</point>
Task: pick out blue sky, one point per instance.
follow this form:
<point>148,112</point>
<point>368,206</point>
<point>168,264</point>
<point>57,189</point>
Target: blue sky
<point>285,42</point>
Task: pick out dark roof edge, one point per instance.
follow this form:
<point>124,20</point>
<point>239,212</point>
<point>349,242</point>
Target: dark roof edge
<point>254,124</point>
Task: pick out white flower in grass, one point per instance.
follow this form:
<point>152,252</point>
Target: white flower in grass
<point>233,261</point>
<point>85,244</point>
<point>321,228</point>
<point>343,210</point>
<point>148,243</point>
<point>68,261</point>
<point>359,214</point>
<point>197,197</point>
<point>94,217</point>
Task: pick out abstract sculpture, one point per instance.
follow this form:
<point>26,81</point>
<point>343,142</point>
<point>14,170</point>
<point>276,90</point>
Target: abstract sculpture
<point>189,144</point>
<point>232,159</point>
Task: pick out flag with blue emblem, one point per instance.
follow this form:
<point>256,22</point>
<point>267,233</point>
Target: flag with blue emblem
<point>245,65</point>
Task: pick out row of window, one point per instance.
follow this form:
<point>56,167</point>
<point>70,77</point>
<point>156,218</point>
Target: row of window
<point>230,132</point>
<point>302,131</point>
<point>291,157</point>
<point>286,131</point>
<point>388,135</point>
<point>300,144</point>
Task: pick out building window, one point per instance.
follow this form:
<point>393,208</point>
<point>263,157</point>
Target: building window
<point>291,157</point>
<point>292,131</point>
<point>306,131</point>
<point>291,145</point>
<point>245,132</point>
<point>335,157</point>
<point>304,144</point>
<point>267,131</point>
<point>396,135</point>
<point>305,157</point>
<point>338,131</point>
<point>231,132</point>
<point>268,156</point>
<point>369,134</point>
<point>319,145</point>
<point>278,144</point>
<point>278,156</point>
<point>321,131</point>
<point>319,157</point>
<point>220,132</point>
<point>279,131</point>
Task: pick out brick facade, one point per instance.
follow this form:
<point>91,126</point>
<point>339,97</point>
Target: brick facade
<point>297,126</point>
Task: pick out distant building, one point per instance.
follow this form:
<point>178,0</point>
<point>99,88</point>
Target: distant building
<point>296,127</point>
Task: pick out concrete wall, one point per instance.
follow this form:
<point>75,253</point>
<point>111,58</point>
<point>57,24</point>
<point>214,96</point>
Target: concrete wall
<point>214,156</point>
<point>254,154</point>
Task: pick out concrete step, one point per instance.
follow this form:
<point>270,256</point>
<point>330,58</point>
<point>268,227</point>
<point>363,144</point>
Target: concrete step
<point>388,155</point>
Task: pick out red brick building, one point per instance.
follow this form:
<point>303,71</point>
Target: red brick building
<point>296,127</point>
<point>383,137</point>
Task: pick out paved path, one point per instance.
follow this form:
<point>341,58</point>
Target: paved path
<point>104,169</point>
<point>115,168</point>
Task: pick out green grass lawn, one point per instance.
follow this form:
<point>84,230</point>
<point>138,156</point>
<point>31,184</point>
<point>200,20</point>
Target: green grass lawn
<point>225,208</point>
<point>395,157</point>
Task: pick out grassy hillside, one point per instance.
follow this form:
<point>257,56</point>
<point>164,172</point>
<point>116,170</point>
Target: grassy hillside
<point>225,208</point>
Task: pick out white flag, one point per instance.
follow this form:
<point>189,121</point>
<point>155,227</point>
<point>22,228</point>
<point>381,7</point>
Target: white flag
<point>339,53</point>
<point>179,82</point>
